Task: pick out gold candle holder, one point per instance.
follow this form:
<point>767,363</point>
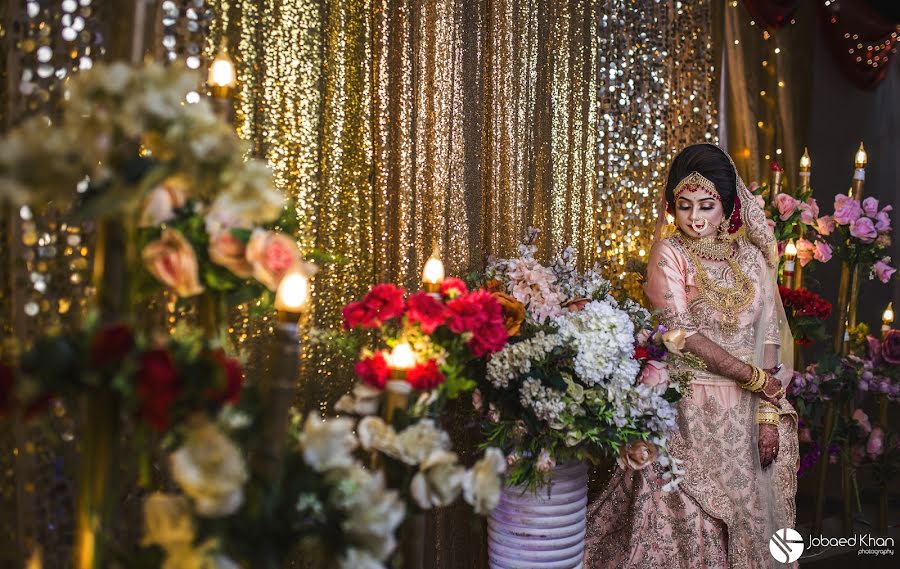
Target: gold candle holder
<point>859,174</point>
<point>805,169</point>
<point>433,274</point>
<point>777,180</point>
<point>790,256</point>
<point>401,360</point>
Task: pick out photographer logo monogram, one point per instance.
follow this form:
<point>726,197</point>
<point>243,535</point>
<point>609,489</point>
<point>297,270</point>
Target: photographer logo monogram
<point>786,545</point>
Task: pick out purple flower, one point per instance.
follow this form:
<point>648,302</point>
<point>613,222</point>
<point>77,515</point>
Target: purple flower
<point>874,345</point>
<point>825,225</point>
<point>883,271</point>
<point>870,206</point>
<point>822,252</point>
<point>882,221</point>
<point>846,209</point>
<point>863,229</point>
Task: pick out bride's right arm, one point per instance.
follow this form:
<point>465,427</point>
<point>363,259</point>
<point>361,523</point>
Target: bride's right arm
<point>666,288</point>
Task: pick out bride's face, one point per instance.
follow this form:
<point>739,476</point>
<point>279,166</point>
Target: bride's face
<point>698,214</point>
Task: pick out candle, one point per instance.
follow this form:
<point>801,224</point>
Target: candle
<point>777,175</point>
<point>790,253</point>
<point>887,318</point>
<point>433,274</point>
<point>401,359</point>
<point>222,77</point>
<point>805,167</point>
<point>292,297</point>
<point>859,175</point>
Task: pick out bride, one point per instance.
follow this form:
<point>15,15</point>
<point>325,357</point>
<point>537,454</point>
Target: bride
<point>714,278</point>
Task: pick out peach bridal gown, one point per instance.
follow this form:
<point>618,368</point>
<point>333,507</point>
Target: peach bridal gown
<point>726,508</point>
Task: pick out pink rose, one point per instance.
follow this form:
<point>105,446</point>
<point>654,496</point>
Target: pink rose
<point>809,211</point>
<point>804,252</point>
<point>804,435</point>
<point>846,209</point>
<point>271,256</point>
<point>786,205</point>
<point>172,260</point>
<point>825,225</point>
<point>771,223</point>
<point>228,251</point>
<point>870,206</point>
<point>857,454</point>
<point>545,462</point>
<point>875,445</point>
<point>863,229</point>
<point>655,373</point>
<point>883,271</point>
<point>160,204</point>
<point>890,347</point>
<point>822,252</point>
<point>862,420</point>
<point>883,220</point>
<point>636,454</point>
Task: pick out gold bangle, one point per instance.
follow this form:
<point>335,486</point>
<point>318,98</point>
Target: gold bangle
<point>767,419</point>
<point>757,380</point>
<point>767,406</point>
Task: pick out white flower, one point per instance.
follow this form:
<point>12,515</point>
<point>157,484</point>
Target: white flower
<point>481,484</point>
<point>372,512</point>
<point>374,433</point>
<point>354,558</point>
<point>327,444</point>
<point>364,400</point>
<point>420,440</point>
<point>546,402</point>
<point>210,469</point>
<point>439,480</point>
<point>160,204</point>
<point>514,360</point>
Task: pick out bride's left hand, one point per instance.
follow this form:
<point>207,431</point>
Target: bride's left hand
<point>767,444</point>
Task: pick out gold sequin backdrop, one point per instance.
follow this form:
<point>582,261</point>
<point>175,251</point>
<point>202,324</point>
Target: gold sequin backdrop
<point>400,126</point>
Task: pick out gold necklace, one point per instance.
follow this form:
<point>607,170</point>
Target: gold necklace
<point>730,301</point>
<point>710,248</point>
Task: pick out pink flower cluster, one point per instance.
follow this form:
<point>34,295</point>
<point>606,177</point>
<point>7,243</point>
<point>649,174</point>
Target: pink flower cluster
<point>866,223</point>
<point>873,446</point>
<point>787,205</point>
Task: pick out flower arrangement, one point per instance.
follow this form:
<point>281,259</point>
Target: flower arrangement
<point>795,216</point>
<point>445,332</point>
<point>568,385</point>
<point>337,512</point>
<point>806,313</point>
<point>160,383</point>
<point>860,232</point>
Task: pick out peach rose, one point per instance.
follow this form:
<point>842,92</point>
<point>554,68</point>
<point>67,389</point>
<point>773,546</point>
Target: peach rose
<point>636,455</point>
<point>575,304</point>
<point>271,256</point>
<point>228,251</point>
<point>513,312</point>
<point>160,204</point>
<point>674,340</point>
<point>172,260</point>
<point>655,373</point>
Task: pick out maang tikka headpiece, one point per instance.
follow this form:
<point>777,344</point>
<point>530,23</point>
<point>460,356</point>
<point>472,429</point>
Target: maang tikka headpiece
<point>695,181</point>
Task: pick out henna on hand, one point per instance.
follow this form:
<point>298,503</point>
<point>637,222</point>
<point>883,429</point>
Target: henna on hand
<point>767,444</point>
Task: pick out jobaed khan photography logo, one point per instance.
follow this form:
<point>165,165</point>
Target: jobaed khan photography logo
<point>786,545</point>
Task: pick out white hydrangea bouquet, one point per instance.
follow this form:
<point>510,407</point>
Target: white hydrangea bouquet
<point>568,384</point>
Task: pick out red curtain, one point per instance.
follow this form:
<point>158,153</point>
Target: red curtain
<point>772,14</point>
<point>862,40</point>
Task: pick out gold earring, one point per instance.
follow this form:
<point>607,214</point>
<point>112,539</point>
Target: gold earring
<point>723,228</point>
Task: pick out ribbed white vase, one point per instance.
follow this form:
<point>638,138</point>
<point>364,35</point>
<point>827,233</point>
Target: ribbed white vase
<point>543,530</point>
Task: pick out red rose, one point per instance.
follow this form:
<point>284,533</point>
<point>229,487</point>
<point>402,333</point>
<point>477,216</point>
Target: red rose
<point>466,314</point>
<point>230,392</point>
<point>110,344</point>
<point>158,386</point>
<point>373,370</point>
<point>641,353</point>
<point>355,314</point>
<point>426,310</point>
<point>490,335</point>
<point>382,303</point>
<point>453,287</point>
<point>7,382</point>
<point>425,376</point>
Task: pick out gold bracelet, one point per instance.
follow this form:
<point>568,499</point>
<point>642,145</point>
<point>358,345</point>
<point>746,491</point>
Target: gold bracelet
<point>757,380</point>
<point>767,418</point>
<point>768,406</point>
<point>777,395</point>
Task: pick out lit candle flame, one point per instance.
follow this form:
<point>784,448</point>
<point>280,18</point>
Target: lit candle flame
<point>402,357</point>
<point>805,162</point>
<point>433,273</point>
<point>293,293</point>
<point>222,75</point>
<point>790,250</point>
<point>861,157</point>
<point>888,316</point>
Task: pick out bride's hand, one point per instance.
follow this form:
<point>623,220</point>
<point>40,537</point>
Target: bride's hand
<point>767,444</point>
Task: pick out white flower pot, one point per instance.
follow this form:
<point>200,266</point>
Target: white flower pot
<point>543,530</point>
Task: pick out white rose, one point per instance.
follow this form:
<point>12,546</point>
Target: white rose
<point>438,482</point>
<point>354,558</point>
<point>418,441</point>
<point>327,444</point>
<point>373,513</point>
<point>210,469</point>
<point>374,433</point>
<point>481,484</point>
<point>365,400</point>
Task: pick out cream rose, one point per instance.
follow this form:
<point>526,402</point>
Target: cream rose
<point>172,260</point>
<point>168,521</point>
<point>655,373</point>
<point>210,469</point>
<point>160,204</point>
<point>228,251</point>
<point>636,455</point>
<point>327,444</point>
<point>438,482</point>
